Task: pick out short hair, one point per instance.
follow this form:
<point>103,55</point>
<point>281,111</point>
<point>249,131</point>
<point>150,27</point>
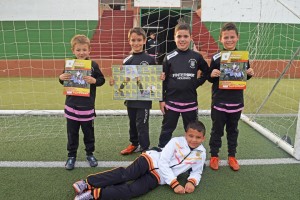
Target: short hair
<point>228,27</point>
<point>197,125</point>
<point>138,31</point>
<point>80,39</point>
<point>182,26</point>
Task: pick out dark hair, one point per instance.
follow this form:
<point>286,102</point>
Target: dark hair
<point>228,27</point>
<point>182,26</point>
<point>197,125</point>
<point>138,31</point>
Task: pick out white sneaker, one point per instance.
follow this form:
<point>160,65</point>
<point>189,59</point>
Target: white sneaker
<point>85,196</point>
<point>79,186</point>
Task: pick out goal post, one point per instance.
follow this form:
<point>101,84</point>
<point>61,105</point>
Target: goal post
<point>282,141</point>
<point>271,97</point>
<point>297,138</point>
<point>293,150</point>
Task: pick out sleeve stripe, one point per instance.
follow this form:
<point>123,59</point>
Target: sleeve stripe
<point>174,183</point>
<point>193,181</point>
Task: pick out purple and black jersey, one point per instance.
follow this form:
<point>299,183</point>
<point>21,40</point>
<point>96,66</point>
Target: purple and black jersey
<point>181,81</point>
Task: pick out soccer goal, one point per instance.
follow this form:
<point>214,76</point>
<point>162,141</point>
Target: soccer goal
<point>34,44</point>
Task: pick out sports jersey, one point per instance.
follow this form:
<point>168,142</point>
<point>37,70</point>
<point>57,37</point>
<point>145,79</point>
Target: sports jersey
<point>177,158</point>
<point>181,80</point>
<point>83,108</point>
<point>225,99</point>
<point>141,58</point>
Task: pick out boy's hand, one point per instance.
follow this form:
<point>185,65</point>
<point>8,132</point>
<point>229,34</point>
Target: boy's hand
<point>215,73</point>
<point>89,79</point>
<point>162,76</point>
<point>111,81</point>
<point>189,187</point>
<point>199,73</point>
<point>179,190</point>
<point>250,72</point>
<point>162,107</point>
<point>65,76</point>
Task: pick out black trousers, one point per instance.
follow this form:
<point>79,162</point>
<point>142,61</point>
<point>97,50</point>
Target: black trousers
<point>169,124</point>
<point>87,128</point>
<point>113,183</point>
<point>219,120</point>
<point>139,127</point>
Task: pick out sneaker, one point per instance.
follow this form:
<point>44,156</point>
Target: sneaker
<point>84,196</point>
<point>214,163</point>
<point>139,149</point>
<point>92,161</point>
<point>233,163</point>
<point>80,186</point>
<point>70,164</point>
<point>130,149</point>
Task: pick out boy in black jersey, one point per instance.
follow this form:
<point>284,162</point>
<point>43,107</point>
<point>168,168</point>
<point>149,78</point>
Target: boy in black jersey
<point>227,105</point>
<point>138,111</point>
<point>181,83</point>
<point>80,111</point>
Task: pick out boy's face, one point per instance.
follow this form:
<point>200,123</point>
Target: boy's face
<point>152,36</point>
<point>229,39</point>
<point>81,51</point>
<point>182,39</point>
<point>136,42</point>
<point>194,138</point>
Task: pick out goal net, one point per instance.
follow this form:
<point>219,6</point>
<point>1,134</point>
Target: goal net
<point>34,44</point>
<point>271,97</point>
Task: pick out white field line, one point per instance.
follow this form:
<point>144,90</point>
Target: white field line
<point>59,164</point>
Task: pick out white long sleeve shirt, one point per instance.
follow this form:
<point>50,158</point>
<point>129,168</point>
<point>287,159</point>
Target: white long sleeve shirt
<point>177,158</point>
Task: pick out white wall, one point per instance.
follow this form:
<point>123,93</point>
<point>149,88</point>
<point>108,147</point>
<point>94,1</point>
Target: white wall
<point>265,11</point>
<point>13,10</point>
<point>157,3</point>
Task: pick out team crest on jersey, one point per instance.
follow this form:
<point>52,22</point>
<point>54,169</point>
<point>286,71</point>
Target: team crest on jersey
<point>144,63</point>
<point>193,63</point>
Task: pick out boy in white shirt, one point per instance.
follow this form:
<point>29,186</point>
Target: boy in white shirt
<point>151,169</point>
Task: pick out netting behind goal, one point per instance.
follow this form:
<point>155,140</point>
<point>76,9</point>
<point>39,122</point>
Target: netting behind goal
<point>32,53</point>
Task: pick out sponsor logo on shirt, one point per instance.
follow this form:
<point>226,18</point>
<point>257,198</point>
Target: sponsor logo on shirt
<point>183,76</point>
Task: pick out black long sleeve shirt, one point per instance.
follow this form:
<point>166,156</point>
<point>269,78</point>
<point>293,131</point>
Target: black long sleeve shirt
<point>181,81</point>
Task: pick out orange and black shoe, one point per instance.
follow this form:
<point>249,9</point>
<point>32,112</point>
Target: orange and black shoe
<point>129,150</point>
<point>214,163</point>
<point>233,163</point>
